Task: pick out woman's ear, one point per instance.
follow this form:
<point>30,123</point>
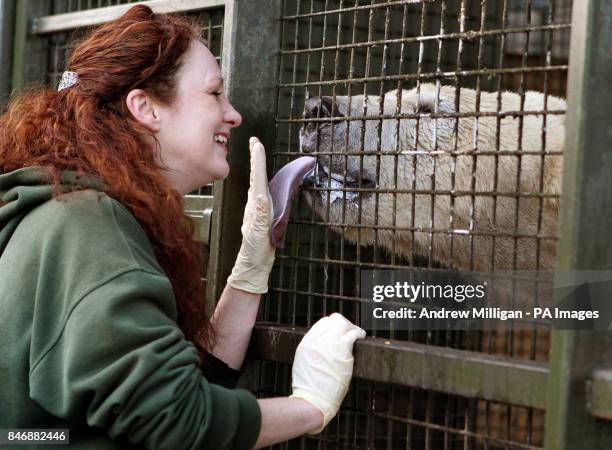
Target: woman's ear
<point>144,109</point>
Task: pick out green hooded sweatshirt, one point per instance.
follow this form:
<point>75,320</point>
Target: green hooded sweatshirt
<point>88,332</point>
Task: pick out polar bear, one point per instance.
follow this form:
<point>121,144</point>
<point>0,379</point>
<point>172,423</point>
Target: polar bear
<point>446,173</point>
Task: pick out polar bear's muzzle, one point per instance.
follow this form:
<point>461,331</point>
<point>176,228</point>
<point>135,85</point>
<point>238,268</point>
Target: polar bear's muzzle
<point>320,177</point>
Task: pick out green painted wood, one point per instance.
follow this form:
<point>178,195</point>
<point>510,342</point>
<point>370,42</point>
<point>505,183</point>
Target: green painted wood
<point>586,220</point>
<point>441,369</point>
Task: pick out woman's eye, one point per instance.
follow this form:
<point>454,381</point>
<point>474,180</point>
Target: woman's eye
<point>217,94</point>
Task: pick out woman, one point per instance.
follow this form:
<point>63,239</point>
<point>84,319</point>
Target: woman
<point>102,323</point>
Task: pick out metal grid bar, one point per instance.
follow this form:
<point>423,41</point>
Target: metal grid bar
<point>450,36</point>
<point>434,75</point>
<point>369,7</point>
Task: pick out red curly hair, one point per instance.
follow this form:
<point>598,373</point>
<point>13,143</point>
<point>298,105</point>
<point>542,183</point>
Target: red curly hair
<point>88,129</point>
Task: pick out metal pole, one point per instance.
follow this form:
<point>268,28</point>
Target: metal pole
<point>586,224</point>
<point>30,59</point>
<point>7,17</point>
<point>251,39</point>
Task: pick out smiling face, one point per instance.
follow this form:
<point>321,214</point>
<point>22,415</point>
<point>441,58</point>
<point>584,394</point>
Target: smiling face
<point>194,129</point>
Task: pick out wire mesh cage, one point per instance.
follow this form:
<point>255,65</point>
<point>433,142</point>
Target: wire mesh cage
<point>438,132</point>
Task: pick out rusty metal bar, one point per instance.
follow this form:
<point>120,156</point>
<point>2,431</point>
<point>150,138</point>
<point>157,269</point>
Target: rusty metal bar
<point>437,192</point>
<point>456,231</point>
<point>355,8</point>
<point>455,115</point>
<point>458,372</point>
<point>433,37</point>
<point>440,152</point>
<point>452,74</point>
<point>378,265</point>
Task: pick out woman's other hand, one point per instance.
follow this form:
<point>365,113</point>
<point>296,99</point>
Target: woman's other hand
<point>256,255</point>
<point>323,364</point>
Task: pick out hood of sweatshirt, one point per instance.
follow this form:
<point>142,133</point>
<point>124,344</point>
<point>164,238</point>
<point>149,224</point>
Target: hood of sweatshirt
<point>24,189</point>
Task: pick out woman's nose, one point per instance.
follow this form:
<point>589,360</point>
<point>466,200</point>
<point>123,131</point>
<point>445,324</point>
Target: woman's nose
<point>232,116</point>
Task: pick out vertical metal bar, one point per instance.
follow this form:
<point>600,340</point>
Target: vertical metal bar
<point>333,124</point>
<point>250,43</point>
<point>461,19</point>
<point>295,247</point>
<point>586,221</point>
<point>356,310</point>
<point>7,19</point>
<point>296,234</point>
<point>362,145</point>
<point>531,416</point>
<point>312,211</point>
<point>424,10</point>
<point>19,44</point>
<point>398,110</point>
<point>29,51</point>
<point>408,424</point>
<point>492,333</point>
<point>379,125</point>
<point>483,15</point>
<point>357,291</point>
<point>432,198</point>
<point>371,420</point>
<point>329,195</point>
<point>522,91</point>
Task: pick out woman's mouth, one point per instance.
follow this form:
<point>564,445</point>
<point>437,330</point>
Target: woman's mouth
<point>221,139</point>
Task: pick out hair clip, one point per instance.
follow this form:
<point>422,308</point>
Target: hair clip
<point>68,79</point>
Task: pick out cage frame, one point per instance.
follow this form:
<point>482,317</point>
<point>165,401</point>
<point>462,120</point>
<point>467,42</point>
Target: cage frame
<point>580,360</point>
<point>570,378</point>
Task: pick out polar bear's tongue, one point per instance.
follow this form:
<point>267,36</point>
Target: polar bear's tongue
<point>283,187</point>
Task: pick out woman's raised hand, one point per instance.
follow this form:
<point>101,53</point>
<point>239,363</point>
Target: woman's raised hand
<point>256,255</point>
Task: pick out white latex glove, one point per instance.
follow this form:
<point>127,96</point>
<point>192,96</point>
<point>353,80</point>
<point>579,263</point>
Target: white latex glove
<point>323,364</point>
<point>256,255</point>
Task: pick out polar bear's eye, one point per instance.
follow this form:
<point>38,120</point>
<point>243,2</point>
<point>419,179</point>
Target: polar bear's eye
<point>424,108</point>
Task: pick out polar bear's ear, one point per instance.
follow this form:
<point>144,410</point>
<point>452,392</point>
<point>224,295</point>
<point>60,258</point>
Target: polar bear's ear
<point>330,108</point>
<point>321,107</point>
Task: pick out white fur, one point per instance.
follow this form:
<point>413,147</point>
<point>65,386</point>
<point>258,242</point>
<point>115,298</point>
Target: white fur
<point>416,170</point>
